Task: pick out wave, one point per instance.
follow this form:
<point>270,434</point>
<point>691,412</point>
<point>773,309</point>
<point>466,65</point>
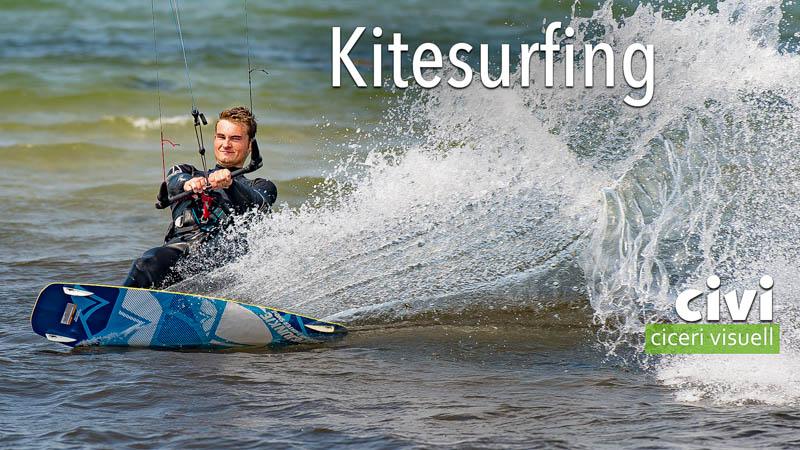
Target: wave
<point>146,123</point>
<point>478,200</point>
<point>702,187</point>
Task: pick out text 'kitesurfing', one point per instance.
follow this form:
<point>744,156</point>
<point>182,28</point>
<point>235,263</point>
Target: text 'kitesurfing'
<point>429,56</point>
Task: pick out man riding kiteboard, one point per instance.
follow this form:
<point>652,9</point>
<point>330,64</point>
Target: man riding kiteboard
<point>217,195</point>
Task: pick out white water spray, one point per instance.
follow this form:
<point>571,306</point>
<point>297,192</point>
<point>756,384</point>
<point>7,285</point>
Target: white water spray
<point>502,198</point>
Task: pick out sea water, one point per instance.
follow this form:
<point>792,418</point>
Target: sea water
<point>496,253</point>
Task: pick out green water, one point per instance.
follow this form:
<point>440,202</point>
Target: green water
<point>462,270</point>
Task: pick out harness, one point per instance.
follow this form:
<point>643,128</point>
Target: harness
<point>202,218</point>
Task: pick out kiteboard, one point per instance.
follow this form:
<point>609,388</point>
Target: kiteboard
<point>92,314</point>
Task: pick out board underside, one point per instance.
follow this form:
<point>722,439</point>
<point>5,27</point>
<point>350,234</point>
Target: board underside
<point>87,314</point>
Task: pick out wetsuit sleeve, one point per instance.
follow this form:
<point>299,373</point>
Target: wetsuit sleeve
<point>177,176</point>
<point>246,194</point>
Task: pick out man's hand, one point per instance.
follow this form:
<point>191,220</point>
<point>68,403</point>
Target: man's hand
<point>219,179</point>
<point>196,184</point>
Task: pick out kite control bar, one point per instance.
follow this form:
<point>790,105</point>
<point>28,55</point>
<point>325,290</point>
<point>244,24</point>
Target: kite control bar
<point>164,200</point>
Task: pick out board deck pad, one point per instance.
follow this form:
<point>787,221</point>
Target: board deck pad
<point>91,314</point>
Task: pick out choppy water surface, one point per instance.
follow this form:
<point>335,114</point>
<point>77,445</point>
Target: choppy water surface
<point>495,252</point>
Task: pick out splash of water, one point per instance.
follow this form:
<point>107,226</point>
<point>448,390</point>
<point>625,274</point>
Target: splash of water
<point>432,226</point>
<point>705,188</point>
<point>480,199</point>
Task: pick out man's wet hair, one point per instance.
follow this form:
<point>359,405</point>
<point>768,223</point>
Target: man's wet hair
<point>242,116</point>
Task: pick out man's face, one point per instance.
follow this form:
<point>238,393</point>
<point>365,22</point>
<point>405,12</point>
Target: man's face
<point>231,144</point>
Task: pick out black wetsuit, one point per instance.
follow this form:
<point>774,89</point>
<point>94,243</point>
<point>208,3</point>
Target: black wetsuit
<point>188,230</point>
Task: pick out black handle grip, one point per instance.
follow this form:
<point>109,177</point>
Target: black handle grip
<point>166,201</point>
<point>256,162</point>
<point>163,196</point>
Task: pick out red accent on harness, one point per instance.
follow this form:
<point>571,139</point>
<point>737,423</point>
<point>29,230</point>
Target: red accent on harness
<point>206,205</point>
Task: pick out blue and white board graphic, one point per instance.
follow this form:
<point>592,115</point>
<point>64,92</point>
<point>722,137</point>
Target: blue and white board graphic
<point>90,314</point>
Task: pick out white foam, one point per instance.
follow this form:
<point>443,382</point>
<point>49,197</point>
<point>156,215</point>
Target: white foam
<point>471,189</point>
<point>148,123</point>
<point>734,379</point>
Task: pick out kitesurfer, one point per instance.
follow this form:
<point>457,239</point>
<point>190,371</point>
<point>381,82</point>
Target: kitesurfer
<point>197,219</point>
